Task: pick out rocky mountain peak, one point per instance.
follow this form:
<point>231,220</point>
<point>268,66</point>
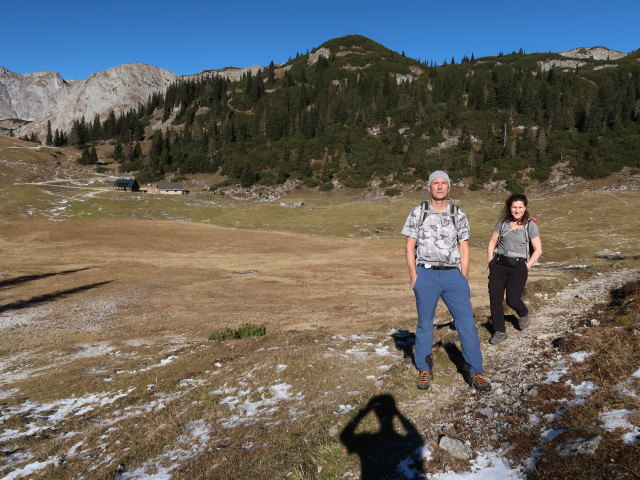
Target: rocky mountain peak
<point>595,53</point>
<point>118,88</point>
<point>27,96</point>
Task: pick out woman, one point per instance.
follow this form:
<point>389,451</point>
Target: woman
<point>513,249</point>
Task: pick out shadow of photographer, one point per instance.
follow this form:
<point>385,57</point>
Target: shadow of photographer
<point>385,453</point>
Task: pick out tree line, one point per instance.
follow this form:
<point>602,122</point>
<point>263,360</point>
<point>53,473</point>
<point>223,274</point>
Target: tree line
<point>359,115</point>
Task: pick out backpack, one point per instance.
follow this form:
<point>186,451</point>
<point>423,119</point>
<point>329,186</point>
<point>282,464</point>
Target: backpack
<point>527,235</point>
<point>453,213</point>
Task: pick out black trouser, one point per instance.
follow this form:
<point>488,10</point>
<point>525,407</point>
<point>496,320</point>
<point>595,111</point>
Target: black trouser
<point>511,279</point>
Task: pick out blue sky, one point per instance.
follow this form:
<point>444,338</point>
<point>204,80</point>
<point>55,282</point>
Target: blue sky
<point>78,38</point>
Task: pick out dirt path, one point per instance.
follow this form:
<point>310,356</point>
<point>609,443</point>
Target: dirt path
<point>516,368</point>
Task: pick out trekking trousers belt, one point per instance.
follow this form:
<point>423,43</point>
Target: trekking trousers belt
<point>437,266</point>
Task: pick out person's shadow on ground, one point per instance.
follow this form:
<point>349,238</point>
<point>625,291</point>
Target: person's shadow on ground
<point>405,341</point>
<point>386,453</point>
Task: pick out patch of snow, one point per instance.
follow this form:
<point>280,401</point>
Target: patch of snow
<point>190,382</point>
<point>342,409</point>
<point>8,393</point>
<point>617,419</point>
<point>25,317</point>
<point>193,441</point>
<point>583,390</point>
<point>487,466</point>
<point>406,468</point>
<point>551,434</point>
<point>248,411</point>
<point>555,375</point>
<point>580,356</point>
<point>57,411</point>
<point>30,469</point>
<point>383,350</point>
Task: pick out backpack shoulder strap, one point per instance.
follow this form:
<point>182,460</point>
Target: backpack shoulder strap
<point>503,224</point>
<point>527,233</point>
<point>453,211</point>
<point>424,211</point>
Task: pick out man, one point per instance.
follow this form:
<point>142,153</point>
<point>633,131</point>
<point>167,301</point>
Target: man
<point>438,257</point>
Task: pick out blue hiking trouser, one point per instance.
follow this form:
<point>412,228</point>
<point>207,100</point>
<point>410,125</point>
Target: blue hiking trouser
<point>453,287</point>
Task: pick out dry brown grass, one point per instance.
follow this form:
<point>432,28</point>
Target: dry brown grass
<point>612,359</point>
<point>119,309</point>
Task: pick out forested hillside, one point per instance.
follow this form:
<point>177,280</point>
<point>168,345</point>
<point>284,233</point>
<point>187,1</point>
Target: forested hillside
<point>355,110</point>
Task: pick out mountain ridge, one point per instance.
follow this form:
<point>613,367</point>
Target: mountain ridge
<point>44,96</point>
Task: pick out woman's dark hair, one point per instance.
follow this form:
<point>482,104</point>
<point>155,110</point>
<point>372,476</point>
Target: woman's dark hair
<point>506,213</point>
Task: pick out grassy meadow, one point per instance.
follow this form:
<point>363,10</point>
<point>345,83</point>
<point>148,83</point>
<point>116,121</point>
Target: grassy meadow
<point>108,300</point>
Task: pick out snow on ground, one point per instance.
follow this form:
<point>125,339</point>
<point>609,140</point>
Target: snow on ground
<point>249,404</point>
<point>617,419</point>
<point>246,411</point>
<point>24,317</point>
<point>405,467</point>
<point>556,374</point>
<point>579,356</point>
<point>30,469</point>
<point>486,466</point>
<point>194,439</point>
<point>46,416</point>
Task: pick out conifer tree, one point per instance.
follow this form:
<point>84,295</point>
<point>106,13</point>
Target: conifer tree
<point>49,139</point>
<point>118,152</point>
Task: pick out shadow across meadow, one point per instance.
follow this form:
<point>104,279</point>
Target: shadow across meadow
<point>29,278</point>
<point>19,305</point>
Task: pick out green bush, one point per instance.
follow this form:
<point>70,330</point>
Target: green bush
<point>514,186</point>
<point>148,176</point>
<point>392,192</point>
<point>221,335</point>
<point>251,330</point>
<point>406,178</point>
<point>325,187</point>
<point>246,330</point>
<point>541,173</point>
<point>310,182</point>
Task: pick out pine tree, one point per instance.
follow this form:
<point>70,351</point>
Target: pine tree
<point>49,140</point>
<point>118,152</point>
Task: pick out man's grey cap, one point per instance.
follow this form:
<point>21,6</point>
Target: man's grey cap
<point>438,174</point>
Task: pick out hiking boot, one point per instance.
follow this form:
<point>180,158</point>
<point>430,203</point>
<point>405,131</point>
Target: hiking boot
<point>498,338</point>
<point>523,322</point>
<point>480,383</point>
<point>424,380</point>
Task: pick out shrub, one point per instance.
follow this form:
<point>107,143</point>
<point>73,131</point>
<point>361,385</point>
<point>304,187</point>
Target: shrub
<point>310,182</point>
<point>541,173</point>
<point>514,187</point>
<point>392,192</point>
<point>221,335</point>
<point>246,330</point>
<point>251,330</point>
<point>406,178</point>
<point>325,187</point>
